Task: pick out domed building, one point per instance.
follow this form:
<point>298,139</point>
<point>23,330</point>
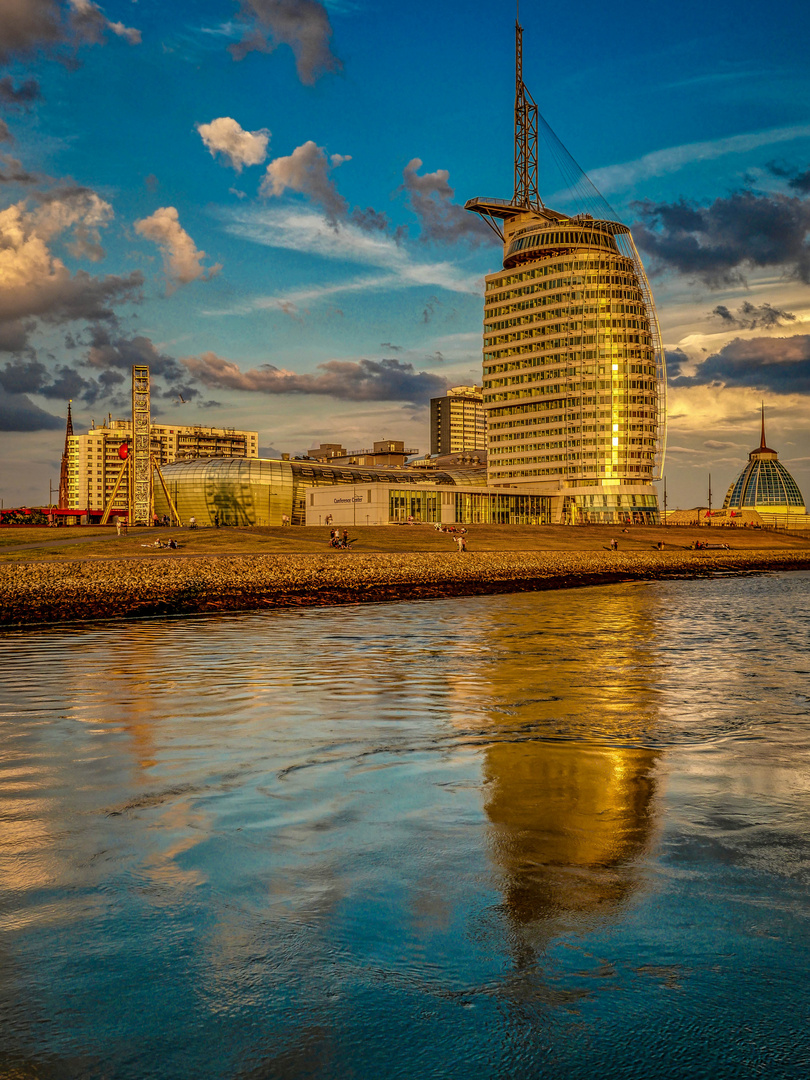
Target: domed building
<point>765,485</point>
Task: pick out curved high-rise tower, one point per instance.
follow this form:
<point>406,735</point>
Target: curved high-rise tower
<point>574,376</point>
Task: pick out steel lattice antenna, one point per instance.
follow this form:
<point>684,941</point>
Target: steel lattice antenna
<point>526,166</point>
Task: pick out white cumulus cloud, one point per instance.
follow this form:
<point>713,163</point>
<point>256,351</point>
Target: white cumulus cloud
<point>182,260</point>
<point>307,171</point>
<point>225,136</point>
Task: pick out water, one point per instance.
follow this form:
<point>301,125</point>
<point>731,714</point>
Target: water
<point>556,835</point>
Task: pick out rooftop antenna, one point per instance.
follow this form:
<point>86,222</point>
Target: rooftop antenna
<point>762,445</point>
<point>526,166</point>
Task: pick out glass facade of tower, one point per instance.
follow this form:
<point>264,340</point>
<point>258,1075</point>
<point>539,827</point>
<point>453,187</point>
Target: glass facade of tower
<point>573,370</point>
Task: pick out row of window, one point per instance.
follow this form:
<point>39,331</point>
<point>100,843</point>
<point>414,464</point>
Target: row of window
<point>538,313</point>
<point>584,268</point>
<point>566,237</point>
<point>571,330</point>
<point>638,471</point>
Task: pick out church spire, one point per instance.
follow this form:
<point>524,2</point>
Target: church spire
<point>763,447</point>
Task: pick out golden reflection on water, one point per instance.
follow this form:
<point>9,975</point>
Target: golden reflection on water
<point>569,788</point>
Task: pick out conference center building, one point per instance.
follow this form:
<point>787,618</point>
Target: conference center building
<point>258,491</point>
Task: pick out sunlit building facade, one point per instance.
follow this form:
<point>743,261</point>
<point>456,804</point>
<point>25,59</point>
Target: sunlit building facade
<point>243,491</point>
<point>573,372</point>
<point>93,460</point>
<point>457,421</point>
<point>573,368</point>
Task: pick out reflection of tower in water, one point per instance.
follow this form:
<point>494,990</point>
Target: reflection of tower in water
<point>570,780</point>
<point>568,822</point>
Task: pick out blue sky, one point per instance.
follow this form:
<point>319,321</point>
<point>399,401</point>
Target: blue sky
<point>261,199</point>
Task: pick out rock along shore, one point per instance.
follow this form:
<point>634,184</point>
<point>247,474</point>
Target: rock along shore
<point>37,593</point>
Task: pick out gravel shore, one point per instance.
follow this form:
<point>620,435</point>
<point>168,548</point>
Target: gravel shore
<point>37,593</point>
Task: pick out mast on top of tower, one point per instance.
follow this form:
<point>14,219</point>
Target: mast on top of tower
<point>526,163</point>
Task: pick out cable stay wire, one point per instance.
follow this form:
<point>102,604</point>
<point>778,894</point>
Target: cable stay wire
<point>576,187</point>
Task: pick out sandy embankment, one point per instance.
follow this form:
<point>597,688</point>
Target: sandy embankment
<point>34,593</point>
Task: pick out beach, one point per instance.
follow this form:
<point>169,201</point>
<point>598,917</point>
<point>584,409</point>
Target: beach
<point>164,582</point>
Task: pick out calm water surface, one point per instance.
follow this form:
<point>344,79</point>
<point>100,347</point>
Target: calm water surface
<point>557,835</point>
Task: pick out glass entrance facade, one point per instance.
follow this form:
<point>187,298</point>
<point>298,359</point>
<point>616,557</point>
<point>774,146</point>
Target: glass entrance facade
<point>470,507</point>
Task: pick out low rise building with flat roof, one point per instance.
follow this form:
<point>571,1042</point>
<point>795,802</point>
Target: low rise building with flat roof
<point>440,504</point>
<point>385,452</point>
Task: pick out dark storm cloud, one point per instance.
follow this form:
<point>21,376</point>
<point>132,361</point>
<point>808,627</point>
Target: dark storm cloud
<point>17,413</point>
<point>777,365</point>
<point>302,24</point>
<point>799,181</point>
<point>345,380</point>
<point>29,27</point>
<point>12,171</point>
<point>440,219</point>
<point>109,358</point>
<point>719,243</point>
<point>19,97</point>
<point>752,317</point>
<point>63,297</point>
<point>179,391</point>
<point>14,335</point>
<point>108,351</point>
<point>675,359</point>
<point>31,376</point>
<point>23,376</point>
<point>372,220</point>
